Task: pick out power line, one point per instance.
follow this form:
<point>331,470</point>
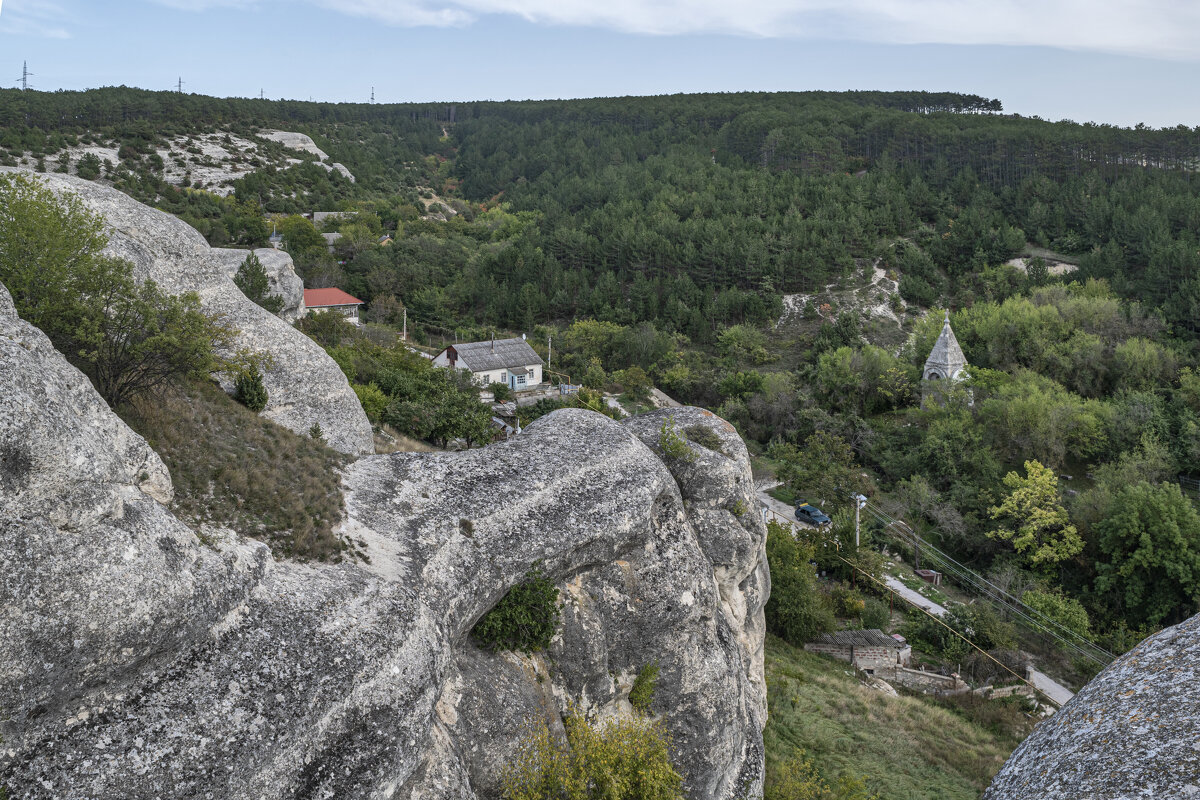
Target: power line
<point>964,575</point>
<point>892,592</point>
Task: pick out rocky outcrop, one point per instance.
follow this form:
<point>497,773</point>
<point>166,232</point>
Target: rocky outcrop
<point>1132,732</point>
<point>141,662</point>
<point>305,386</point>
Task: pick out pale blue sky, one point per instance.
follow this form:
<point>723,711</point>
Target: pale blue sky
<point>1109,61</point>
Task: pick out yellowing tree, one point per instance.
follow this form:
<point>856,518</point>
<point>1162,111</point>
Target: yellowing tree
<point>1037,524</point>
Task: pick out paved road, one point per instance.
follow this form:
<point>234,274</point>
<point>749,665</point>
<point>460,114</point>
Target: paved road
<point>1052,689</point>
<point>915,597</point>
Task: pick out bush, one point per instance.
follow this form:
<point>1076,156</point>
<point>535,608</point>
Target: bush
<point>796,610</point>
<point>129,339</point>
<point>847,602</point>
<point>372,399</point>
<point>525,618</point>
<point>641,694</point>
<point>501,391</point>
<point>671,444</point>
<point>875,614</point>
<point>705,437</point>
<point>249,390</point>
<point>623,759</point>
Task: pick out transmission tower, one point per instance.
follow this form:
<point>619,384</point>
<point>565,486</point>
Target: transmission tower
<point>372,94</point>
<point>25,75</point>
<point>179,85</point>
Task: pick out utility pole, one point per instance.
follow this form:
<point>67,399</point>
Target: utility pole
<point>859,502</point>
<point>550,354</point>
<point>25,75</point>
<point>404,334</point>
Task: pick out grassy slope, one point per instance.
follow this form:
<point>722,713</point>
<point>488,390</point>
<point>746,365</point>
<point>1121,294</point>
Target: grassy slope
<point>234,468</point>
<point>906,747</point>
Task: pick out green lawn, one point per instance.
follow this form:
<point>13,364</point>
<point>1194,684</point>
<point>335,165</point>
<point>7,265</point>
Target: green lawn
<point>907,748</point>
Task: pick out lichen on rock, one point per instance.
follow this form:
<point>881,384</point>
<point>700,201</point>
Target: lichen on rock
<point>1132,732</point>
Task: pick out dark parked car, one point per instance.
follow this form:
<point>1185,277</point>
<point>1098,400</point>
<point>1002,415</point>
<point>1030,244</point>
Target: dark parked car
<point>812,515</point>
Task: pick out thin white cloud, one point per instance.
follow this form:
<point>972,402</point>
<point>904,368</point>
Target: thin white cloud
<point>1154,28</point>
<point>33,18</point>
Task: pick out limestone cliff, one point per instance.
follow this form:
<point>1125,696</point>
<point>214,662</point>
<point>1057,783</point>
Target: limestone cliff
<point>1132,732</point>
<point>304,384</point>
<point>140,662</point>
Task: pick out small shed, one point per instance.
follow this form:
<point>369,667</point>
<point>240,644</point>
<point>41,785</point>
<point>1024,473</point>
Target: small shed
<point>870,649</point>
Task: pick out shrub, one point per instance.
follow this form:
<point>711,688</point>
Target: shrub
<point>847,602</point>
<point>875,614</point>
<point>315,432</point>
<point>524,619</point>
<point>624,759</point>
<point>249,390</point>
<point>671,444</point>
<point>501,391</point>
<point>129,339</point>
<point>705,437</point>
<point>796,610</point>
<point>641,694</point>
<point>372,399</point>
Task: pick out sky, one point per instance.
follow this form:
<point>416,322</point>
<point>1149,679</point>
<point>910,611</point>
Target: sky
<point>1119,62</point>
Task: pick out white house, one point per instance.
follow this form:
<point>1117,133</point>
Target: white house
<point>509,361</point>
<point>318,301</point>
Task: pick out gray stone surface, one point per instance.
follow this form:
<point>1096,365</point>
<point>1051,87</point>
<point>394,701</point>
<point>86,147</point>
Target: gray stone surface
<point>305,385</point>
<point>1132,732</point>
<point>140,662</point>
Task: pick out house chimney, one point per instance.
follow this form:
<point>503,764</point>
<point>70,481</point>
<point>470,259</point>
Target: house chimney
<point>522,337</point>
<point>493,341</point>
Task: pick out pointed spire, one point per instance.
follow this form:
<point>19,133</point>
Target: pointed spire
<point>946,360</point>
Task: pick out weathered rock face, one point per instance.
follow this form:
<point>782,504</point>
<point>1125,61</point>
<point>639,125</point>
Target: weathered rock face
<point>1132,732</point>
<point>140,662</point>
<point>304,384</point>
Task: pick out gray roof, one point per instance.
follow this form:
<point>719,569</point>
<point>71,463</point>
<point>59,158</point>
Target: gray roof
<point>946,357</point>
<point>871,638</point>
<point>502,354</point>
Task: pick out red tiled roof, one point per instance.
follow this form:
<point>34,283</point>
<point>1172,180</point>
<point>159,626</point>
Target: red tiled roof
<point>316,298</point>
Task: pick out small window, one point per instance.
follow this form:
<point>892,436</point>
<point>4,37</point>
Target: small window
<point>503,376</point>
<point>520,380</point>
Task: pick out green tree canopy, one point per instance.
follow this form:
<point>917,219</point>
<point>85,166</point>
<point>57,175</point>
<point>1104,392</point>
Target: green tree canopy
<point>1036,523</point>
<point>1151,538</point>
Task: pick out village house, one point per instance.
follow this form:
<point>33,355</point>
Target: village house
<point>317,301</point>
<point>508,361</point>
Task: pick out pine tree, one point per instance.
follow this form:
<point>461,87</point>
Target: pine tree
<point>252,279</point>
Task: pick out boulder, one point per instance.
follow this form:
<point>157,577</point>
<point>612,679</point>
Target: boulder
<point>1132,732</point>
<point>142,662</point>
<point>304,384</point>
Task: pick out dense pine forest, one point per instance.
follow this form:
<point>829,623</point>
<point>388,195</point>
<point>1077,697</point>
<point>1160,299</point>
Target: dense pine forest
<point>711,245</point>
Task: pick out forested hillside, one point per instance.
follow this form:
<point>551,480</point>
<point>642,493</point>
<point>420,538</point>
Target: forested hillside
<point>708,243</point>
